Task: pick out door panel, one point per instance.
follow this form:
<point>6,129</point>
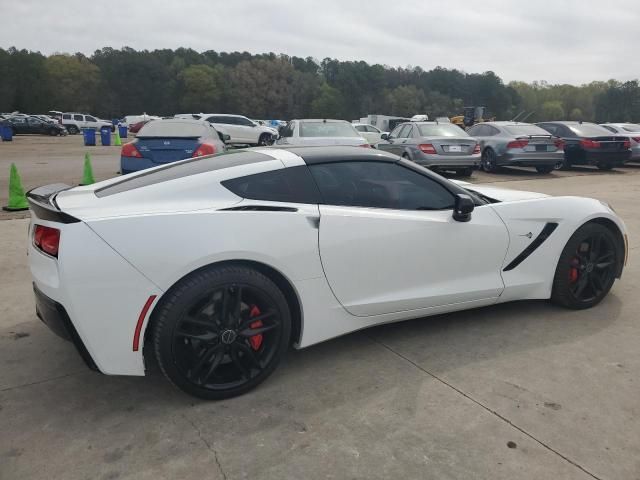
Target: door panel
<point>381,261</point>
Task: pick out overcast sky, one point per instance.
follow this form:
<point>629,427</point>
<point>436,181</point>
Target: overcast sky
<point>561,41</point>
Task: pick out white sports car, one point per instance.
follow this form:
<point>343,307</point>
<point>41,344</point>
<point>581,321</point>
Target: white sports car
<point>218,264</point>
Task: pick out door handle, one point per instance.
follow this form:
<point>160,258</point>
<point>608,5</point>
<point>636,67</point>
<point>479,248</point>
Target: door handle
<point>314,221</point>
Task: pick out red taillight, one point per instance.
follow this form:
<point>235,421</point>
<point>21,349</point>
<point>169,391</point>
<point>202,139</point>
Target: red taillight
<point>518,144</point>
<point>204,149</point>
<point>627,144</point>
<point>47,239</point>
<point>130,150</point>
<point>427,148</point>
<point>559,143</point>
<point>365,145</point>
<point>588,143</point>
<point>476,149</point>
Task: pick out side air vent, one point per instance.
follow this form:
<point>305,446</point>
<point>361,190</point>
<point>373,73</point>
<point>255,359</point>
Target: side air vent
<point>539,240</point>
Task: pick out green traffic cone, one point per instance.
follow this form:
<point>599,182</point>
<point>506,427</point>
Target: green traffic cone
<point>87,175</point>
<point>118,141</point>
<point>17,199</point>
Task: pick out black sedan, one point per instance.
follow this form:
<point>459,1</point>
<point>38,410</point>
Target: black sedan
<point>590,144</point>
<point>25,124</point>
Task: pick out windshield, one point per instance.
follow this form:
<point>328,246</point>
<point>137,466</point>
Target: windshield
<point>436,130</point>
<point>327,129</point>
<point>173,129</point>
<point>525,130</point>
<point>589,130</point>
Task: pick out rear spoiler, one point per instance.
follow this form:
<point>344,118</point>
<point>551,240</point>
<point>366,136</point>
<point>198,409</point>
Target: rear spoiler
<point>43,203</point>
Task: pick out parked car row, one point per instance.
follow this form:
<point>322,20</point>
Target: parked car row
<point>32,124</point>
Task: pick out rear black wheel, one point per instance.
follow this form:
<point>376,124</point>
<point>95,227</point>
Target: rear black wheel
<point>587,267</point>
<point>488,161</point>
<point>221,331</point>
<point>545,168</point>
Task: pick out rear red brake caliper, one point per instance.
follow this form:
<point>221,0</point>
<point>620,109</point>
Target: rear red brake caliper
<point>573,270</point>
<point>256,340</point>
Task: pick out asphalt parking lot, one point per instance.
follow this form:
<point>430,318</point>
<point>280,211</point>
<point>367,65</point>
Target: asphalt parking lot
<point>523,390</point>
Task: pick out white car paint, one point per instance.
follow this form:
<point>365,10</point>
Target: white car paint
<point>80,120</point>
<point>241,129</point>
<point>372,134</point>
<point>292,135</point>
<point>364,267</point>
<point>631,130</point>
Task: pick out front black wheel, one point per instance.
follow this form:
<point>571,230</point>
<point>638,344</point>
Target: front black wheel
<point>265,140</point>
<point>587,267</point>
<point>53,132</point>
<point>221,331</point>
<point>73,130</point>
<point>545,168</point>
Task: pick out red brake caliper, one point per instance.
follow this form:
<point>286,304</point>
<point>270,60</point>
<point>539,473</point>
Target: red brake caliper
<point>256,340</point>
<point>573,270</point>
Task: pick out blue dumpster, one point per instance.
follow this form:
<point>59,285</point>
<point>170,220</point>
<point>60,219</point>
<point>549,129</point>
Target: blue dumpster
<point>89,135</point>
<point>105,136</point>
<point>7,133</point>
<point>122,130</point>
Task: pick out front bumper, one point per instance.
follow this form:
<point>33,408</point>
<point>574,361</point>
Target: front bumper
<point>54,316</point>
<point>530,159</point>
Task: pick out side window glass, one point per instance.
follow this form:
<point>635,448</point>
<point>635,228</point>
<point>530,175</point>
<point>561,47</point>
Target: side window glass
<point>288,130</point>
<point>78,118</point>
<point>66,116</point>
<point>552,129</point>
<point>361,128</point>
<point>293,184</point>
<point>90,119</point>
<point>396,132</point>
<point>379,185</point>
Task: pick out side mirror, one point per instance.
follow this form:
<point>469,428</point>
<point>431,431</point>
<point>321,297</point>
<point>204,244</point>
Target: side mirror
<point>226,137</point>
<point>463,207</point>
<point>384,136</point>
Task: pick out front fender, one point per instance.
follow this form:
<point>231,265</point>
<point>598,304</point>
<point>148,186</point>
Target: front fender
<point>533,277</point>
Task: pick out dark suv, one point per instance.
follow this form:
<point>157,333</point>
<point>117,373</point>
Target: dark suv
<point>590,144</point>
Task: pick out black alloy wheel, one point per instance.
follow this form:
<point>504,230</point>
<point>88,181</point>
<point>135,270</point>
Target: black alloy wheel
<point>73,129</point>
<point>587,267</point>
<point>488,161</point>
<point>222,331</point>
<point>265,140</point>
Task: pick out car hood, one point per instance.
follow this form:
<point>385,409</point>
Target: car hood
<point>500,194</point>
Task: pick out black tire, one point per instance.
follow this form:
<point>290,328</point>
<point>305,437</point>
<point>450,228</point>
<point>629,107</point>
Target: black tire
<point>587,267</point>
<point>545,168</point>
<point>72,129</point>
<point>464,172</point>
<point>265,140</point>
<point>227,349</point>
<point>488,161</point>
<point>605,166</point>
<point>53,132</point>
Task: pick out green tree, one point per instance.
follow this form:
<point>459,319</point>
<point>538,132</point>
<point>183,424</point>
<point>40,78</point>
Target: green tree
<point>552,110</point>
<point>328,104</point>
<point>576,114</point>
<point>73,82</point>
<point>201,88</point>
<point>406,100</point>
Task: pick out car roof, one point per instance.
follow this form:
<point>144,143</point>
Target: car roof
<point>325,120</point>
<point>220,114</point>
<point>504,123</point>
<point>569,122</point>
<point>334,154</point>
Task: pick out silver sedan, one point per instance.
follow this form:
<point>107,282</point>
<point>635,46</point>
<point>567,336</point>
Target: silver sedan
<point>519,145</point>
<point>439,146</point>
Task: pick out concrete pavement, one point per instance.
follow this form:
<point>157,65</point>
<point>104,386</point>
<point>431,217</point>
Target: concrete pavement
<point>524,390</point>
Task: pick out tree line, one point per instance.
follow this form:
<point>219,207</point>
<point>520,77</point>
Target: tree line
<point>115,82</point>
